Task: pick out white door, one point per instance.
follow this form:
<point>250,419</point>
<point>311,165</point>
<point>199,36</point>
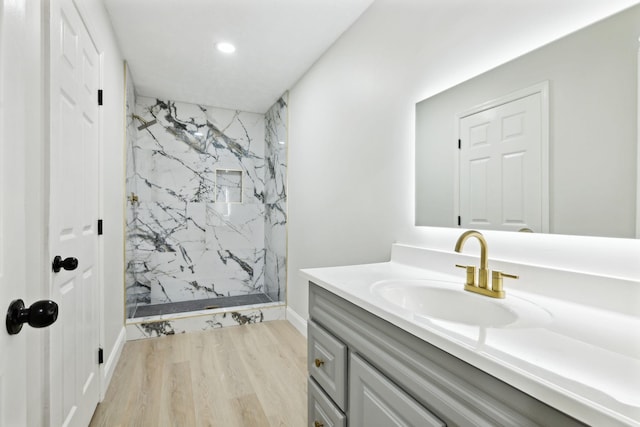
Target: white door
<point>74,78</point>
<point>501,166</point>
<point>13,348</point>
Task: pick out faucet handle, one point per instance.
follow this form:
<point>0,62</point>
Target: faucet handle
<point>471,274</point>
<point>496,279</point>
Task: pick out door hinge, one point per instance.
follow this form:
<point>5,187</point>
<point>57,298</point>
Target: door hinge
<point>99,96</point>
<point>459,220</point>
<point>459,144</point>
<point>99,227</point>
<point>100,356</point>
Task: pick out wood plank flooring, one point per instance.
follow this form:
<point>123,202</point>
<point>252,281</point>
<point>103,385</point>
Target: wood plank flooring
<point>245,376</point>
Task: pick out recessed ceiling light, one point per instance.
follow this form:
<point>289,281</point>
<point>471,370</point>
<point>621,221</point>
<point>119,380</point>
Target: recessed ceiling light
<point>225,47</point>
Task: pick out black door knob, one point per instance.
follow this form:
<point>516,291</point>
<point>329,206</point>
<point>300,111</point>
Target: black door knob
<point>39,315</point>
<point>70,263</point>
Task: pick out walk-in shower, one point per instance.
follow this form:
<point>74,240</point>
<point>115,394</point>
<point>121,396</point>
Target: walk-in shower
<point>206,212</point>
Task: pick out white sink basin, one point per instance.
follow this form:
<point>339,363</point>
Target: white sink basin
<point>448,301</point>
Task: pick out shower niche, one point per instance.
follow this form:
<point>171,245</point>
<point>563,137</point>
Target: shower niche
<point>205,217</point>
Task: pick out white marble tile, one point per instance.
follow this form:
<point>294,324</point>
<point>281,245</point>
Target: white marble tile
<point>179,324</point>
<point>232,226</point>
<point>276,199</point>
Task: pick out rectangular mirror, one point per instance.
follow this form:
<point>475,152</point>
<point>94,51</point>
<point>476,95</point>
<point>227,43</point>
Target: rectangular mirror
<point>591,159</point>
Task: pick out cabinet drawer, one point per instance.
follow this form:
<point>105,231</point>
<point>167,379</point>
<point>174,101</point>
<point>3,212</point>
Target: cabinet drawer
<point>322,411</point>
<point>377,402</point>
<point>327,359</point>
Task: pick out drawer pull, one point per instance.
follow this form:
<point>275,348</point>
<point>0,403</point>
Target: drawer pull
<point>317,423</point>
<point>319,362</point>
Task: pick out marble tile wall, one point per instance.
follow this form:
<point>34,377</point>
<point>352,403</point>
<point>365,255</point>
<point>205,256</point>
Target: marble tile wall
<point>276,199</point>
<point>184,240</point>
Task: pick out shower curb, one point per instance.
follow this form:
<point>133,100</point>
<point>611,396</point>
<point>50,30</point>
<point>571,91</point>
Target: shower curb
<point>180,323</point>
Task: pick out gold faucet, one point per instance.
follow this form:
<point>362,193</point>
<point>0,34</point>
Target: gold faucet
<point>481,288</point>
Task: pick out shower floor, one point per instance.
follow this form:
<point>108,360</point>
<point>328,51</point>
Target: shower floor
<point>196,305</point>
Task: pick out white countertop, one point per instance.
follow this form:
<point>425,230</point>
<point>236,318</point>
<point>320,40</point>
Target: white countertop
<point>582,360</point>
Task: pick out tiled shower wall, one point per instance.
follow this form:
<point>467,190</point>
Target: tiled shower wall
<point>206,215</point>
<point>275,236</point>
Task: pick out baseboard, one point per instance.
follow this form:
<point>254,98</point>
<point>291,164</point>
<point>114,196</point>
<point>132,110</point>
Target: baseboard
<point>110,364</point>
<point>297,321</point>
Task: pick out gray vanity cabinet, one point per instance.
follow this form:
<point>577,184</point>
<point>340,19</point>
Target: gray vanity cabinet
<point>365,371</point>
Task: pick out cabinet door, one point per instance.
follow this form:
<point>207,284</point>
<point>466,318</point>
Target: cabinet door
<point>377,402</point>
<point>327,361</point>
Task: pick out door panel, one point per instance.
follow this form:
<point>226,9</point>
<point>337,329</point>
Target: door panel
<point>74,212</point>
<point>513,189</point>
<point>479,193</point>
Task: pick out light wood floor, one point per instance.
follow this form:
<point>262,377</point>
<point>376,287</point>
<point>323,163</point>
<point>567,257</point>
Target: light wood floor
<point>246,376</point>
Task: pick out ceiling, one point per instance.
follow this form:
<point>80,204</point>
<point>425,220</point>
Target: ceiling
<point>169,46</point>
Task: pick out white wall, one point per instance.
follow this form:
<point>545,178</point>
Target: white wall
<point>351,134</point>
<point>112,175</point>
